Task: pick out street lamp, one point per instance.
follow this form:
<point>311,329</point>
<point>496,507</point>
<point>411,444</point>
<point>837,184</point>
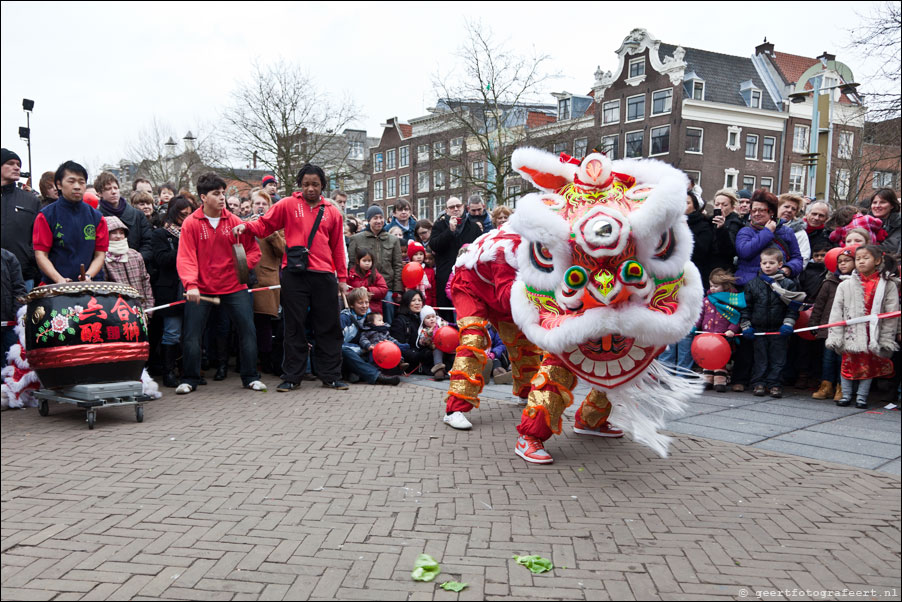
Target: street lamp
<point>25,133</point>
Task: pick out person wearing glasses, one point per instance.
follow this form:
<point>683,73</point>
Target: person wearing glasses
<point>762,232</point>
<point>449,233</point>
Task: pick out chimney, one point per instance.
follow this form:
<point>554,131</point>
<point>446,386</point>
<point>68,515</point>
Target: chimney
<point>824,58</point>
<point>255,159</point>
<point>765,48</point>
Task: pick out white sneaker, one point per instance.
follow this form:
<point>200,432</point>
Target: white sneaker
<point>257,385</point>
<point>183,389</point>
<point>458,421</point>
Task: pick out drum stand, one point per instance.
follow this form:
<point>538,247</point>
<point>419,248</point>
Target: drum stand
<point>94,396</point>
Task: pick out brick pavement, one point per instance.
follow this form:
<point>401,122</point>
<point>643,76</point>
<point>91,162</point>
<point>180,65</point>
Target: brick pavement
<point>230,495</point>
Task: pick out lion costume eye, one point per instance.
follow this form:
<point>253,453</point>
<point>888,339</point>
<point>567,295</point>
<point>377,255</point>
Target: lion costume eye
<point>665,246</point>
<point>541,257</point>
<point>574,280</point>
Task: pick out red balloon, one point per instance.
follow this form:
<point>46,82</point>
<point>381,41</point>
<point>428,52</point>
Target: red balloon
<point>387,355</point>
<point>412,274</point>
<point>446,339</point>
<point>802,322</point>
<point>711,351</point>
<point>91,199</point>
<point>830,258</point>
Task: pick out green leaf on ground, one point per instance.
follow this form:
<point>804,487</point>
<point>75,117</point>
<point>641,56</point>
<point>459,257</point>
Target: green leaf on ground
<point>536,564</point>
<point>425,568</point>
<point>453,586</point>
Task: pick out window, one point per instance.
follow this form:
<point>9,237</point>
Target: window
<point>356,150</point>
<point>634,143</point>
<point>767,183</point>
<point>695,175</point>
<point>797,178</point>
<point>882,179</point>
<point>660,140</point>
<point>563,109</point>
<point>843,177</point>
<point>755,99</point>
<point>422,207</point>
<point>730,176</point>
<point>661,101</point>
<point>637,67</point>
<point>377,190</point>
<point>694,138</point>
<point>733,137</point>
<point>610,145</point>
<point>559,147</point>
<point>800,139</point>
<point>767,148</point>
<point>438,180</point>
<point>404,156</point>
<point>423,152</point>
<point>377,163</point>
<point>513,195</point>
<point>404,185</point>
<point>438,149</point>
<point>610,112</point>
<point>456,145</point>
<point>390,188</point>
<point>751,146</point>
<point>438,205</point>
<point>748,182</point>
<point>390,159</point>
<point>477,169</point>
<point>635,108</point>
<point>845,145</point>
<point>580,146</point>
<point>456,180</point>
<point>698,90</point>
<point>422,181</point>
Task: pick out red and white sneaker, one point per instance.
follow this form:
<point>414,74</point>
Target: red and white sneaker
<point>602,430</point>
<point>532,450</point>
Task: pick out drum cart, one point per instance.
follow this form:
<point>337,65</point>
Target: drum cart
<point>95,396</point>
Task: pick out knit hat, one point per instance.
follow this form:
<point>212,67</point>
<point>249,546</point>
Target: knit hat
<point>114,223</point>
<point>744,194</point>
<point>424,313</point>
<point>8,155</point>
<point>373,212</point>
<point>414,247</point>
<point>267,179</point>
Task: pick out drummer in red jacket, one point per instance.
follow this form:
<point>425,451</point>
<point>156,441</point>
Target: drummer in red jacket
<point>206,267</point>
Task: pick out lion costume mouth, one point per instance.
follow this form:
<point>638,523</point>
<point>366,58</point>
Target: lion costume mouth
<point>610,361</point>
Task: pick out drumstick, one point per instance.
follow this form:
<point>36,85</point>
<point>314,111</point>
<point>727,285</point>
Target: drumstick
<point>82,277</point>
<point>150,310</point>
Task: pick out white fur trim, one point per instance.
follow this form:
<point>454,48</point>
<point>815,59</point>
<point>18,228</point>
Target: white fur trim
<point>543,162</point>
<point>537,223</point>
<point>485,248</point>
<point>149,385</point>
<point>648,327</point>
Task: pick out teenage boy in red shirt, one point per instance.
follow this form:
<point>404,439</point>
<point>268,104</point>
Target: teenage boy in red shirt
<point>206,267</point>
<point>311,294</point>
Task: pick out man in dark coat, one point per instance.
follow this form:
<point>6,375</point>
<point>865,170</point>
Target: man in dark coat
<point>112,204</point>
<point>20,208</point>
<point>451,231</point>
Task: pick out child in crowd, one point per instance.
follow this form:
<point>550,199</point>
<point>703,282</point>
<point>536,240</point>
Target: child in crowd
<point>396,231</point>
<point>866,347</point>
<point>362,275</point>
<point>848,218</point>
<point>772,303</point>
<point>856,237</point>
<point>417,252</point>
<point>429,323</point>
<point>429,268</point>
<point>125,265</point>
<point>820,314</point>
<point>374,332</point>
<point>720,313</point>
<point>353,323</point>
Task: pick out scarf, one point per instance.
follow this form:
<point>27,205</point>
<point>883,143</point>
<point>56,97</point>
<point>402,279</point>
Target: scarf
<point>728,305</point>
<point>809,229</point>
<point>792,299</point>
<point>174,230</point>
<point>118,251</point>
<point>117,209</point>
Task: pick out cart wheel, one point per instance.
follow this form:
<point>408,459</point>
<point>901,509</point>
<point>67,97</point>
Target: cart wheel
<point>44,408</point>
<point>91,417</point>
<point>139,413</point>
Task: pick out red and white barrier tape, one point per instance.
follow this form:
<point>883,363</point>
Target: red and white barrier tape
<point>869,318</point>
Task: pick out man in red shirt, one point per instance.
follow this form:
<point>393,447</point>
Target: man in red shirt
<point>309,291</point>
<point>205,267</point>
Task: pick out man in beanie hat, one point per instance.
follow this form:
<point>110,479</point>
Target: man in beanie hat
<point>20,208</point>
<point>386,252</point>
<point>271,187</point>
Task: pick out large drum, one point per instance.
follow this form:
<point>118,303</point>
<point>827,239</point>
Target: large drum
<point>85,332</point>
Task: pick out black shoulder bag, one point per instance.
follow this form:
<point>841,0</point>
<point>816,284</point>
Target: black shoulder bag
<point>298,258</point>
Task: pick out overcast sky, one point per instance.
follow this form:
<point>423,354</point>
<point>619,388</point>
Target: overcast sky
<point>100,72</point>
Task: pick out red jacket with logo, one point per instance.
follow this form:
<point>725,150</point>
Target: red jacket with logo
<point>205,254</point>
<point>296,216</point>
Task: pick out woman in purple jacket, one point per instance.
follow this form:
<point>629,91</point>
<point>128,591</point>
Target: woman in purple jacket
<point>761,233</point>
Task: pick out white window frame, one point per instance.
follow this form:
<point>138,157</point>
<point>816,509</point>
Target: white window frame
<point>769,183</point>
<point>584,144</point>
<point>404,156</point>
<point>564,109</point>
<point>477,170</point>
<point>403,185</point>
<point>604,106</point>
<point>752,103</point>
<point>802,175</point>
<point>378,162</point>
<point>391,188</point>
<point>844,151</point>
<point>736,131</point>
<point>616,138</point>
<point>795,133</point>
<point>695,83</point>
<point>456,148</point>
<point>843,183</point>
<point>626,115</point>
<point>422,208</point>
<point>438,206</point>
<point>701,141</point>
<point>559,147</point>
<point>423,181</point>
<point>391,159</point>
<point>439,149</point>
<point>773,149</point>
<point>626,144</point>
<point>698,175</point>
<point>748,139</point>
<point>669,110</point>
<point>635,61</point>
<point>651,137</point>
<point>456,177</point>
<point>422,153</point>
<point>752,178</point>
<point>438,180</point>
<point>378,190</point>
<point>730,177</point>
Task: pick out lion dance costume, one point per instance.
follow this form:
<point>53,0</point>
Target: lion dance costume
<point>589,280</point>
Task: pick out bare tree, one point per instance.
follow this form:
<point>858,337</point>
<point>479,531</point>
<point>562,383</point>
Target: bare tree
<point>879,38</point>
<point>489,99</point>
<point>279,118</point>
<point>162,155</point>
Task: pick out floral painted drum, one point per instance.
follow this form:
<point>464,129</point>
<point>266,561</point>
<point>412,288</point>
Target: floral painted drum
<point>85,332</point>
